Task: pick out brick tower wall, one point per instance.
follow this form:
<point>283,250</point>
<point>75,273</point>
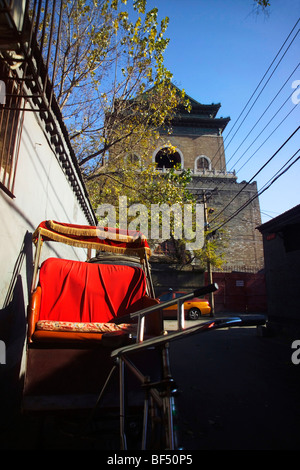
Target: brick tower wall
<point>244,249</point>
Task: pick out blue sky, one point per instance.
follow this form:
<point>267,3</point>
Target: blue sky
<point>218,53</point>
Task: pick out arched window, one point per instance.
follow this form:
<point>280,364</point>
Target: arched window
<point>202,163</point>
<point>166,158</point>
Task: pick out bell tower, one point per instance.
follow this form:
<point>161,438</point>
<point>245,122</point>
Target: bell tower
<point>197,138</point>
<point>197,144</point>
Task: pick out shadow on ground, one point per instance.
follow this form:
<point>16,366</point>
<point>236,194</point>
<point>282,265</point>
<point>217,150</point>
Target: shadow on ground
<point>238,391</point>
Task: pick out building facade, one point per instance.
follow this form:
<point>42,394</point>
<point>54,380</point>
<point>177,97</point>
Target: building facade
<point>281,239</point>
<point>197,137</point>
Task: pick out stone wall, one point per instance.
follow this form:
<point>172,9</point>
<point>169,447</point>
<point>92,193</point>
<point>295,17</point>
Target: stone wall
<point>166,276</point>
<point>244,247</point>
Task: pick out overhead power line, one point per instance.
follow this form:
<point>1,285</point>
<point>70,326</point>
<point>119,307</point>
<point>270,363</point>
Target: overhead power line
<point>222,185</point>
<point>240,115</point>
<point>274,130</point>
<point>270,182</point>
<point>257,87</point>
<point>261,116</point>
<point>267,185</point>
<point>254,176</point>
<point>272,101</point>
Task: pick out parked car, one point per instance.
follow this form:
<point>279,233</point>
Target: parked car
<point>193,308</point>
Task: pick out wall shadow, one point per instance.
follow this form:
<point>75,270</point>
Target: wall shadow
<point>13,331</point>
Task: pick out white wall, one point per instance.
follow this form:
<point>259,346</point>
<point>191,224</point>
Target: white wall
<point>42,192</point>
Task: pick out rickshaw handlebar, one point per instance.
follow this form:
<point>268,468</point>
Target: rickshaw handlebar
<point>239,320</point>
<point>205,290</point>
<point>182,298</point>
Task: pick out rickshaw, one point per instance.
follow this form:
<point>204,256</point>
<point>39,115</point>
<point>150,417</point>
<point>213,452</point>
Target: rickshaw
<point>96,340</point>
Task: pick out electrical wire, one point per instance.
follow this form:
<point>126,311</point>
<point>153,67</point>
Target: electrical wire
<point>266,74</point>
<point>257,87</point>
<point>274,115</point>
<point>265,187</point>
<point>242,112</point>
<point>270,135</point>
<point>281,122</point>
<point>254,176</point>
<point>223,185</point>
<point>220,187</point>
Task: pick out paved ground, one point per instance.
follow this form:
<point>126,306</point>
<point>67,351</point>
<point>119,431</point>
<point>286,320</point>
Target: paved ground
<point>238,391</point>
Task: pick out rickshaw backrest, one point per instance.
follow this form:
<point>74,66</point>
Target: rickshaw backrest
<point>75,291</point>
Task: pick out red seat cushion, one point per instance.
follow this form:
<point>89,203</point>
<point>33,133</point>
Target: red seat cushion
<point>76,291</point>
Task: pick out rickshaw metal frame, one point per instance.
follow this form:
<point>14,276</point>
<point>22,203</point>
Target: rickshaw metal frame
<point>164,391</point>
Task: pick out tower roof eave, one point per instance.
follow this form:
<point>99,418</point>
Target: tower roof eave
<point>200,122</point>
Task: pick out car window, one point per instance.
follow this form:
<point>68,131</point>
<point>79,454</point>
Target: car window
<point>167,296</point>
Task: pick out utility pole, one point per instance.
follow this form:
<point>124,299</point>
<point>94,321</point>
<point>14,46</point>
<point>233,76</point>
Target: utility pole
<point>209,271</point>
